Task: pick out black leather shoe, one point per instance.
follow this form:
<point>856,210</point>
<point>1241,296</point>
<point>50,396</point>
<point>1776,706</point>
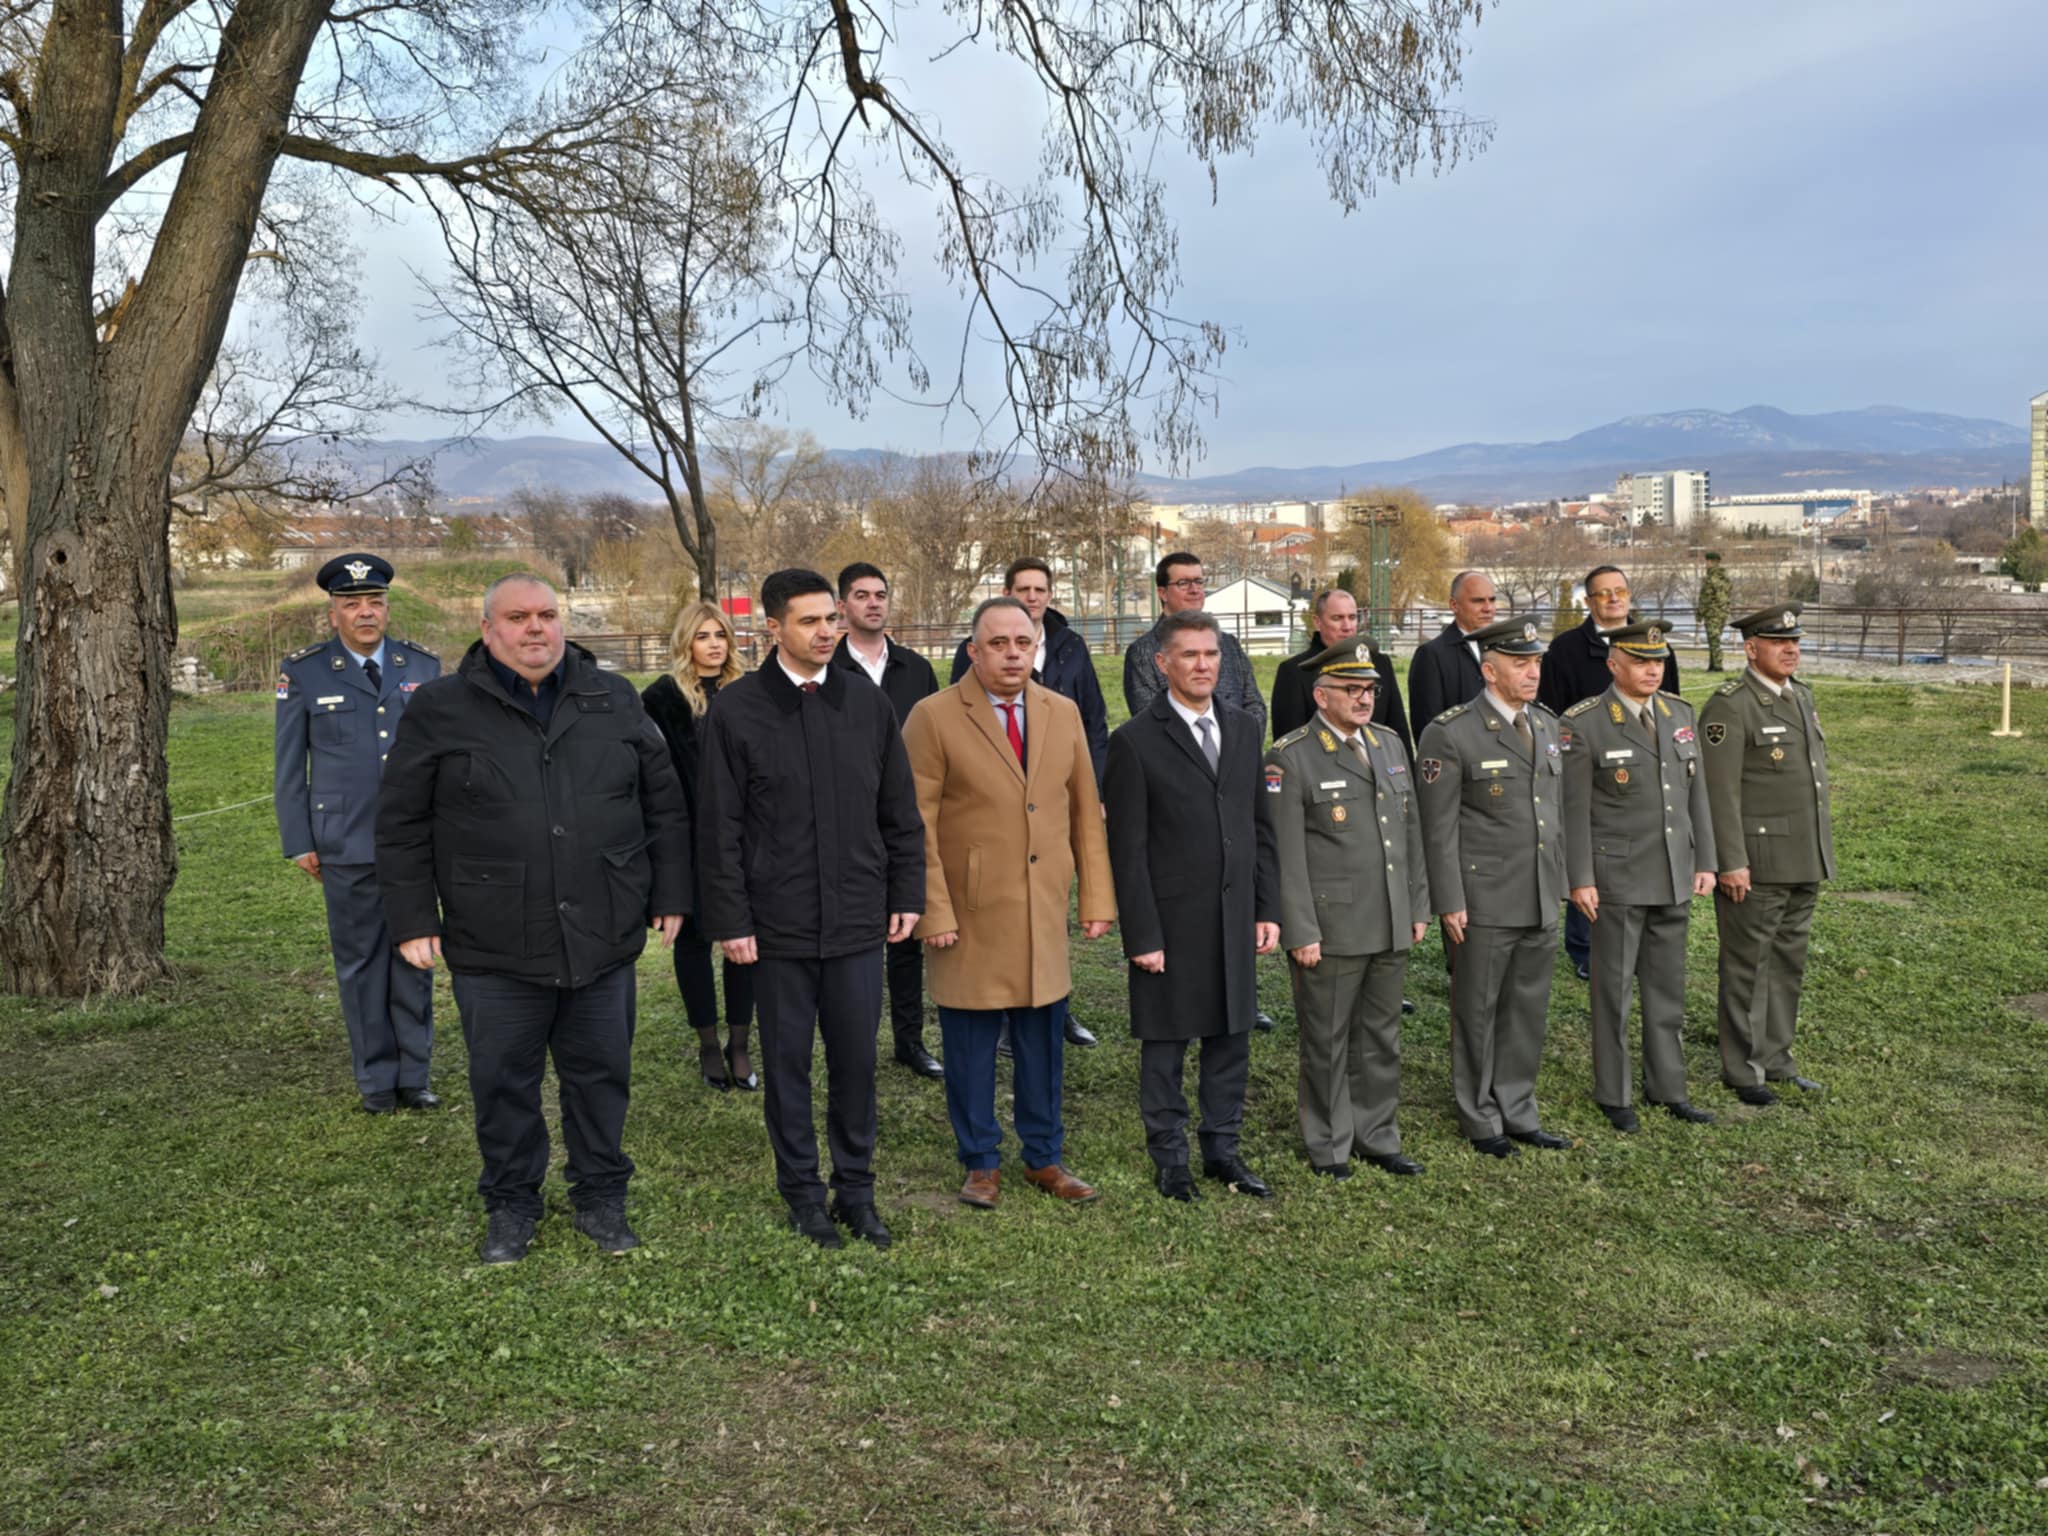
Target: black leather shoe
<point>1543,1139</point>
<point>1805,1085</point>
<point>920,1061</point>
<point>811,1220</point>
<point>1079,1035</point>
<point>605,1225</point>
<point>1678,1109</point>
<point>418,1098</point>
<point>1495,1146</point>
<point>1757,1096</point>
<point>1407,1006</point>
<point>1621,1117</point>
<point>1582,970</point>
<point>1175,1183</point>
<point>1394,1162</point>
<point>1262,1020</point>
<point>862,1222</point>
<point>1233,1172</point>
<point>379,1103</point>
<point>507,1236</point>
<point>1331,1170</point>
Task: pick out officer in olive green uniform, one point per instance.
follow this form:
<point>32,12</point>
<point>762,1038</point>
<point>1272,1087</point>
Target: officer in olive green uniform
<point>1353,899</point>
<point>1638,846</point>
<point>1493,832</point>
<point>1767,780</point>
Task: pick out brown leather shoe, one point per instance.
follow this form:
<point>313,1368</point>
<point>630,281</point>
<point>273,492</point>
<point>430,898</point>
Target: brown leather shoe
<point>980,1188</point>
<point>1059,1183</point>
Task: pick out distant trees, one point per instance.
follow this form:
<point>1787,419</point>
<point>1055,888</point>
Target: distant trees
<point>2025,558</point>
<point>1422,556</point>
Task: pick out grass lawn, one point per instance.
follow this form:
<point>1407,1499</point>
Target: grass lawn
<point>229,1300</point>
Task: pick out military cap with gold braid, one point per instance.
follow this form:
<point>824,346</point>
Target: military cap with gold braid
<point>1518,636</point>
<point>1349,661</point>
<point>347,574</point>
<point>1778,622</point>
<point>1643,639</point>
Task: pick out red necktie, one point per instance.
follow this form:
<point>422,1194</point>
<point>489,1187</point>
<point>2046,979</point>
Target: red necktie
<point>1010,724</point>
<point>808,687</point>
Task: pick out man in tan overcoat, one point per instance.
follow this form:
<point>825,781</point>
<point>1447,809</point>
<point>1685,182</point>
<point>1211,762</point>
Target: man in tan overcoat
<point>1011,817</point>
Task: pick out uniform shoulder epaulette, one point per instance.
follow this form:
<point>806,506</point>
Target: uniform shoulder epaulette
<point>1299,733</point>
<point>1545,708</point>
<point>414,645</point>
<point>1450,714</point>
<point>1581,707</point>
<point>312,650</point>
<point>1732,686</point>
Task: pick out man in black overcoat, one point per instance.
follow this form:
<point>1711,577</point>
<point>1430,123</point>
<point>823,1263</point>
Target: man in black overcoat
<point>1336,621</point>
<point>1196,895</point>
<point>1445,669</point>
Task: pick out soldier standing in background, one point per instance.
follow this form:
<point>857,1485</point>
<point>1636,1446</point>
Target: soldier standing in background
<point>1713,608</point>
<point>338,706</point>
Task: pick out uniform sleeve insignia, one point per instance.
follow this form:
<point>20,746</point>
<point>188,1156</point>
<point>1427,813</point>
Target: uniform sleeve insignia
<point>1275,774</point>
<point>1431,768</point>
<point>284,685</point>
<point>1329,742</point>
<point>1582,706</point>
<point>1614,711</point>
<point>1564,740</point>
<point>1716,732</point>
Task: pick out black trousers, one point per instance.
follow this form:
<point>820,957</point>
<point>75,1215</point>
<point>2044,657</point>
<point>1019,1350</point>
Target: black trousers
<point>799,1000</point>
<point>1226,1066</point>
<point>512,1027</point>
<point>906,993</point>
<point>700,997</point>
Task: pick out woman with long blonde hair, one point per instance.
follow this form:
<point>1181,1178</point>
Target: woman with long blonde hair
<point>703,659</point>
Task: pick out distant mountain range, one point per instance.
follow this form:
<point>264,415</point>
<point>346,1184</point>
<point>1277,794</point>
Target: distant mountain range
<point>1761,448</point>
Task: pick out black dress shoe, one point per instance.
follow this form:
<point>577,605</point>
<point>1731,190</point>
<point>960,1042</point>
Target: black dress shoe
<point>1621,1117</point>
<point>1262,1020</point>
<point>811,1219</point>
<point>1331,1170</point>
<point>1678,1109</point>
<point>1394,1162</point>
<point>1175,1183</point>
<point>1757,1096</point>
<point>418,1098</point>
<point>507,1236</point>
<point>1407,1006</point>
<point>1495,1146</point>
<point>920,1061</point>
<point>1805,1085</point>
<point>1582,970</point>
<point>1078,1035</point>
<point>379,1103</point>
<point>605,1225</point>
<point>1233,1172</point>
<point>1543,1139</point>
<point>862,1222</point>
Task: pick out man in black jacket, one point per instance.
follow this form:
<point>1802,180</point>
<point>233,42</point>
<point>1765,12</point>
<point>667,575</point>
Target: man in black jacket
<point>529,831</point>
<point>1294,704</point>
<point>810,858</point>
<point>1575,668</point>
<point>905,678</point>
<point>1063,665</point>
<point>1445,669</point>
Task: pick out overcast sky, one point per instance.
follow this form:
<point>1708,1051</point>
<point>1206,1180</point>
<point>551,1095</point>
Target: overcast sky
<point>1813,204</point>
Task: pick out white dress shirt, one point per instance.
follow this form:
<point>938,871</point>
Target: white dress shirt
<point>1191,716</point>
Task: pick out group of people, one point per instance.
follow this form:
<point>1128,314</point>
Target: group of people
<point>833,821</point>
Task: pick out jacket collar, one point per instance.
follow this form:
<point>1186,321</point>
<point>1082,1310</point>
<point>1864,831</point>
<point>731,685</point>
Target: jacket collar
<point>1177,730</point>
<point>842,654</point>
<point>982,711</point>
<point>787,696</point>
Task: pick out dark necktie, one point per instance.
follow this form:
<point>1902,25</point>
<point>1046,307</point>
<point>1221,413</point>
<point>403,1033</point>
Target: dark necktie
<point>1010,726</point>
<point>375,674</point>
<point>808,687</point>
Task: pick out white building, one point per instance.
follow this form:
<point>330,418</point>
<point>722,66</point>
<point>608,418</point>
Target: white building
<point>1260,614</point>
<point>2037,481</point>
<point>1666,498</point>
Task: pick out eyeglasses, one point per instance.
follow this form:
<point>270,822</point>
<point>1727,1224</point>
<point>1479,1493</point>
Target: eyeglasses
<point>1187,584</point>
<point>1352,691</point>
<point>1605,594</point>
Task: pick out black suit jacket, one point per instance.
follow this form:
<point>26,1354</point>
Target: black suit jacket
<point>907,677</point>
<point>1442,673</point>
<point>1294,699</point>
<point>1194,867</point>
<point>1575,668</point>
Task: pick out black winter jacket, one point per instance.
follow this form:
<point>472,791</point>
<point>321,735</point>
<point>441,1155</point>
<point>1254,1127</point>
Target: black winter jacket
<point>535,854</point>
<point>1294,694</point>
<point>1575,668</point>
<point>907,678</point>
<point>808,833</point>
<point>682,728</point>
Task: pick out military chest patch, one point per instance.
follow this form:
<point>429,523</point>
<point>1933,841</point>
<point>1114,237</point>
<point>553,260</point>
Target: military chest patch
<point>1396,768</point>
<point>1682,734</point>
<point>1275,777</point>
<point>1716,732</point>
<point>1431,769</point>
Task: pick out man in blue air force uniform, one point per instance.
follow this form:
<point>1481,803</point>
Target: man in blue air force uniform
<point>338,705</point>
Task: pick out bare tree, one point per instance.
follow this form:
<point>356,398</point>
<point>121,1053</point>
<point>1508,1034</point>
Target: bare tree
<point>935,526</point>
<point>775,496</point>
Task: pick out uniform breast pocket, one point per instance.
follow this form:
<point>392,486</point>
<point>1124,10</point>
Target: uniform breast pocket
<point>1331,810</point>
<point>332,724</point>
<point>1769,750</point>
<point>1488,786</point>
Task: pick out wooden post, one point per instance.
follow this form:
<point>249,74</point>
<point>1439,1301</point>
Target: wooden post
<point>2005,708</point>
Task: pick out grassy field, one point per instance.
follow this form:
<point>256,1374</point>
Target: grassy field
<point>228,1300</point>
